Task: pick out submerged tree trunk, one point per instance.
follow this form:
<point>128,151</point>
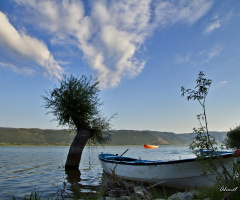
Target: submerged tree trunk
<point>76,149</point>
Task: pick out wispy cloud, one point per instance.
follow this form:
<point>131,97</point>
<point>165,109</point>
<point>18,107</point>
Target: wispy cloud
<point>183,58</point>
<point>211,27</point>
<point>110,33</point>
<point>22,70</point>
<point>223,82</point>
<point>210,53</point>
<point>23,46</point>
<point>185,11</point>
<point>201,57</point>
<point>220,84</point>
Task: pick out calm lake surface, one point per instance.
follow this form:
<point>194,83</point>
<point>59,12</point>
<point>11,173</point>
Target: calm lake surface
<point>24,169</point>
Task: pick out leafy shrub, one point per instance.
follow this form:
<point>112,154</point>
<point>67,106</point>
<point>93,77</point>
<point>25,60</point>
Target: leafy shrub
<point>233,138</point>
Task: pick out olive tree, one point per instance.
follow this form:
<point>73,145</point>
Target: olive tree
<point>75,103</point>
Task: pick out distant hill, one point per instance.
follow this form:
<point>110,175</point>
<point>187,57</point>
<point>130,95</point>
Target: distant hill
<point>131,137</point>
<point>219,136</point>
<point>34,136</point>
<point>40,137</point>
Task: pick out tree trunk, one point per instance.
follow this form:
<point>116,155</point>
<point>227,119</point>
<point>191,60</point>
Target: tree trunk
<point>76,149</point>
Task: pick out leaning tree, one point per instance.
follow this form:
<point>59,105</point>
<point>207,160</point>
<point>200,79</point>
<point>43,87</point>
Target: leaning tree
<point>75,103</point>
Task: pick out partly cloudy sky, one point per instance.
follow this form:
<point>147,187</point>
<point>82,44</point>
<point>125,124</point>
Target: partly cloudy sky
<point>142,52</point>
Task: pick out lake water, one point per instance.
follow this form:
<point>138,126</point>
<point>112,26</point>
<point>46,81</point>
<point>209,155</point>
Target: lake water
<point>24,169</point>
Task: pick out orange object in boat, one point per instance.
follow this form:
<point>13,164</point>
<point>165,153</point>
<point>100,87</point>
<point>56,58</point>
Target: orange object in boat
<point>150,146</point>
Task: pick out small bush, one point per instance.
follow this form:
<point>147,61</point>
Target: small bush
<point>233,138</point>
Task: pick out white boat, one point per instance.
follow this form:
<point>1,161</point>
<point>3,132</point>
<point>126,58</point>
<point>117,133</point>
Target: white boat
<point>184,173</point>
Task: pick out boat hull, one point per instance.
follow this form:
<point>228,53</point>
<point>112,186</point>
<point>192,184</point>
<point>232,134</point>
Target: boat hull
<point>148,146</point>
<point>184,174</point>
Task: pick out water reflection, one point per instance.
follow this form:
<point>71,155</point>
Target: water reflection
<point>73,178</point>
<point>76,187</point>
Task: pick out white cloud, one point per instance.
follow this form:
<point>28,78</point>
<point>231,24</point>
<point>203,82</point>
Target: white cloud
<point>26,47</point>
<point>111,32</point>
<point>212,27</point>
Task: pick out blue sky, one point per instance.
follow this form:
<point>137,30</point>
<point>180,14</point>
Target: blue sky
<point>141,51</point>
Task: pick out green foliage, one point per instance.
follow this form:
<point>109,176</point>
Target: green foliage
<point>202,88</point>
<point>200,94</point>
<point>233,138</point>
<point>203,140</point>
<point>75,103</point>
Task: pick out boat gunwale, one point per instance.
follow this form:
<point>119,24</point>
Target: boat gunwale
<point>143,162</point>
